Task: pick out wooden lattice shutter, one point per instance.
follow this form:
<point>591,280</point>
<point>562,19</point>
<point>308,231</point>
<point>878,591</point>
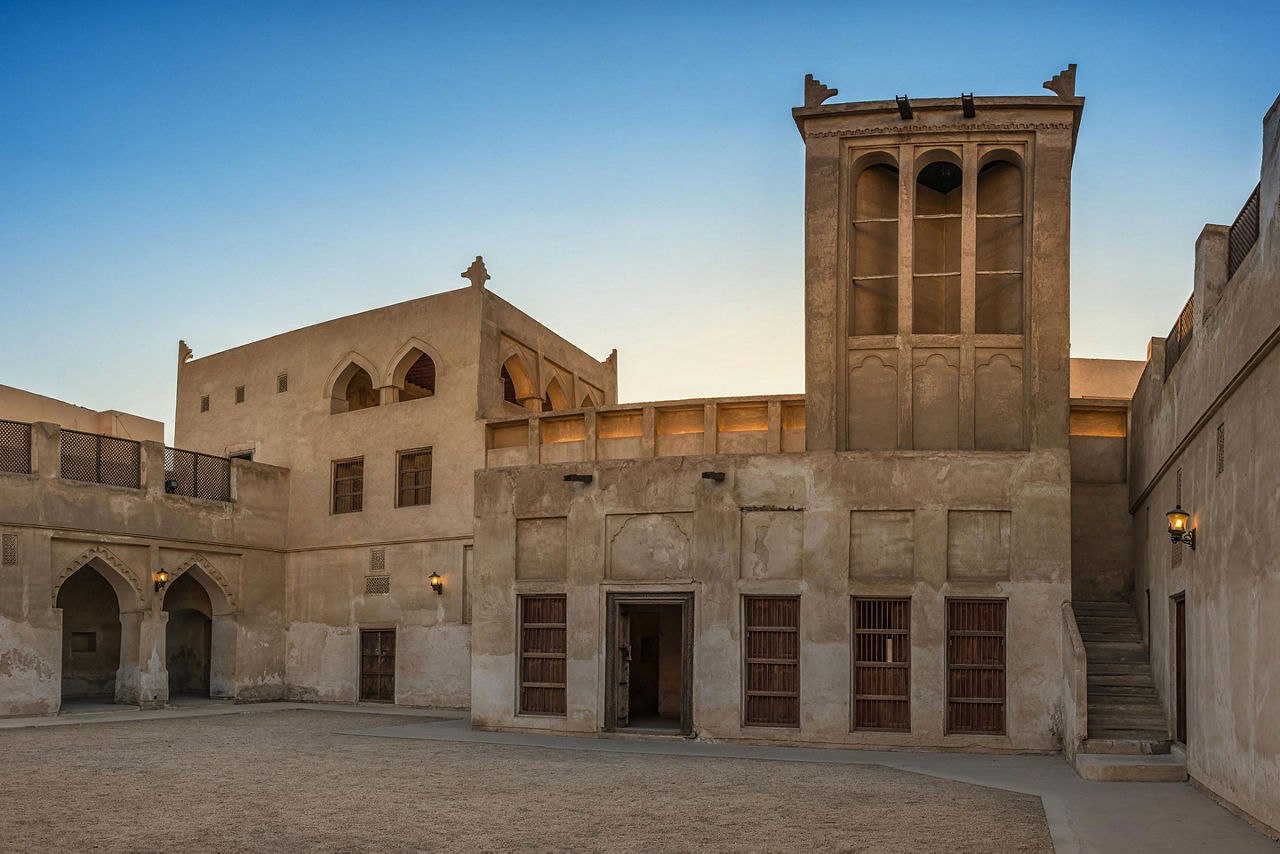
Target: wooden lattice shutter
<point>772,661</point>
<point>542,655</point>
<point>975,665</point>
<point>882,664</point>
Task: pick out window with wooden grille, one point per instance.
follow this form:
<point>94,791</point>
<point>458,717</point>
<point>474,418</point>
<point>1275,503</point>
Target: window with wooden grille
<point>10,557</point>
<point>377,559</point>
<point>239,394</point>
<point>15,447</point>
<point>1222,443</point>
<point>348,486</point>
<point>542,655</point>
<point>771,671</point>
<point>414,478</point>
<point>882,664</point>
<point>204,403</point>
<point>282,383</point>
<point>975,665</point>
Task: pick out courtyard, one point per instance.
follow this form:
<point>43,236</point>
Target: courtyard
<point>283,778</point>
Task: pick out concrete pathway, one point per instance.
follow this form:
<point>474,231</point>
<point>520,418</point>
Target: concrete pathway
<point>1083,816</point>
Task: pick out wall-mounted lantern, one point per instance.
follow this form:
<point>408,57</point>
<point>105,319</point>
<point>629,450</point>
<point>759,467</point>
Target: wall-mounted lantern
<point>437,583</point>
<point>1179,531</point>
<point>171,487</point>
<point>161,579</point>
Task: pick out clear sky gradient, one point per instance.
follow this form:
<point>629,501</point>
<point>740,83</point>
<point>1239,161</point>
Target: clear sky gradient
<point>229,171</point>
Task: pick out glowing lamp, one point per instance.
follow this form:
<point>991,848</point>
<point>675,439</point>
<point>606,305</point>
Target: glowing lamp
<point>437,583</point>
<point>161,579</point>
<point>1179,527</point>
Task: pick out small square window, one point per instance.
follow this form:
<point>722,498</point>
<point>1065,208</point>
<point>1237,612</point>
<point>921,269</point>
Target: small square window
<point>10,550</point>
<point>84,641</point>
<point>282,383</point>
<point>204,403</point>
<point>239,394</point>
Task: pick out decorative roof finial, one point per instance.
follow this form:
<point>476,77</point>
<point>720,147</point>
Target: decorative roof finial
<point>815,93</point>
<point>184,352</point>
<point>476,273</point>
<point>1063,83</point>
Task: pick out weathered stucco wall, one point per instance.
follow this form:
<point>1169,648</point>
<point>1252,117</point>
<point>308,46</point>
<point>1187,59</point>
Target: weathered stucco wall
<point>657,525</point>
<point>19,405</point>
<point>1224,388</point>
<point>61,528</point>
<point>330,555</point>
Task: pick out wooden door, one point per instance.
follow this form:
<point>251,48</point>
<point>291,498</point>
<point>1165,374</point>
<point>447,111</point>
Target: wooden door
<point>624,666</point>
<point>378,666</point>
<point>1180,665</point>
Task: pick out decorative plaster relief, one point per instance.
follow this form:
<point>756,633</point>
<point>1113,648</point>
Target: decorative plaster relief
<point>935,399</point>
<point>650,546</point>
<point>873,400</point>
<point>541,547</point>
<point>978,546</point>
<point>998,415</point>
<point>882,544</point>
<point>772,544</point>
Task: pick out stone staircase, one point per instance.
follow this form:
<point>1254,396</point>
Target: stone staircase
<point>1128,733</point>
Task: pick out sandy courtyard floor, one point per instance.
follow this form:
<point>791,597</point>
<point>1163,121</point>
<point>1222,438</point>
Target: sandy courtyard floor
<point>289,781</point>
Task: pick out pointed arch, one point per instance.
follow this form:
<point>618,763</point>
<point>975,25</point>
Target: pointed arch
<point>414,370</point>
<point>555,397</point>
<point>118,574</point>
<point>588,401</point>
<point>221,594</point>
<point>353,384</point>
<point>516,371</point>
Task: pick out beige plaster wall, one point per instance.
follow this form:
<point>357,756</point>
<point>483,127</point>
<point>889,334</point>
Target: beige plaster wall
<point>657,525</point>
<point>234,549</point>
<point>19,405</point>
<point>329,555</point>
<point>1229,377</point>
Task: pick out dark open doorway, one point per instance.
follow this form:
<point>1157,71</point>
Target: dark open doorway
<point>91,637</point>
<point>188,638</point>
<point>650,663</point>
<point>1180,666</point>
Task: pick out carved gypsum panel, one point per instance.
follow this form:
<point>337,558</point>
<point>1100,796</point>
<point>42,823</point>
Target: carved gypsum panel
<point>873,400</point>
<point>998,401</point>
<point>650,545</point>
<point>772,544</point>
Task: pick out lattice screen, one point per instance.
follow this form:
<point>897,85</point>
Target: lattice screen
<point>772,661</point>
<point>197,475</point>
<point>10,549</point>
<point>101,459</point>
<point>975,665</point>
<point>377,584</point>
<point>882,664</point>
<point>15,447</point>
<point>348,486</point>
<point>542,655</point>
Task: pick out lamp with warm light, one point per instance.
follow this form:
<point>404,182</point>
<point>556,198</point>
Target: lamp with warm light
<point>437,583</point>
<point>1179,530</point>
<point>161,579</point>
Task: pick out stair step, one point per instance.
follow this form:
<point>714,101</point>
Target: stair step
<point>1118,767</point>
<point>1120,680</point>
<point>1127,746</point>
<point>1121,690</point>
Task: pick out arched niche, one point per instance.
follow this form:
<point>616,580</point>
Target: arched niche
<point>517,383</point>
<point>873,303</point>
<point>353,388</point>
<point>413,371</point>
<point>939,189</point>
<point>188,636</point>
<point>555,396</point>
<point>91,599</point>
<point>1000,245</point>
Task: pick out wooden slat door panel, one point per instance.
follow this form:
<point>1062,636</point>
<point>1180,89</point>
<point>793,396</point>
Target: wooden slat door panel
<point>624,667</point>
<point>378,665</point>
<point>976,665</point>
<point>542,655</point>
<point>771,661</point>
<point>1180,666</point>
<point>882,664</point>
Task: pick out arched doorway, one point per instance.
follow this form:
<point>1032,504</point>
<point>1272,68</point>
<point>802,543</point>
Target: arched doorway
<point>188,637</point>
<point>90,636</point>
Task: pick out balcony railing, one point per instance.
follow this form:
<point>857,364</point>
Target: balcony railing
<point>197,475</point>
<point>95,458</point>
<point>1179,337</point>
<point>15,447</point>
<point>1244,232</point>
<point>747,425</point>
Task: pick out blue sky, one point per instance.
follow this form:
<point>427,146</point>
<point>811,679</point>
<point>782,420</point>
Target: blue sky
<point>229,171</point>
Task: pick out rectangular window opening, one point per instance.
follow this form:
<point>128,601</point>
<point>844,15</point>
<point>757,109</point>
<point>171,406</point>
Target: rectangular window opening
<point>204,403</point>
<point>348,485</point>
<point>282,383</point>
<point>976,666</point>
<point>542,655</point>
<point>882,664</point>
<point>414,478</point>
<point>771,661</point>
<point>239,394</point>
<point>10,550</point>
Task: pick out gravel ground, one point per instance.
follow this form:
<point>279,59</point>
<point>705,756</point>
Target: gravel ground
<point>288,781</point>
